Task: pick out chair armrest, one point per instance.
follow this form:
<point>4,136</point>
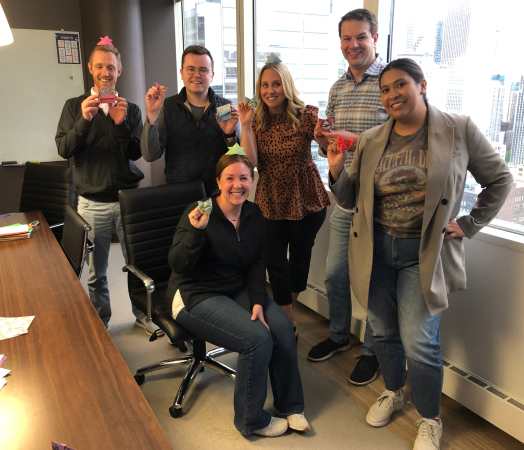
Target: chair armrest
<point>56,225</point>
<point>148,283</point>
<point>89,245</point>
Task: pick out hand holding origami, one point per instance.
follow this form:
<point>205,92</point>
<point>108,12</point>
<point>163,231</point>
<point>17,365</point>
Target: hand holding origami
<point>90,107</point>
<point>118,111</point>
<point>205,206</point>
<point>227,118</point>
<point>154,102</point>
<point>326,123</point>
<point>344,145</point>
<point>245,114</point>
<point>199,219</point>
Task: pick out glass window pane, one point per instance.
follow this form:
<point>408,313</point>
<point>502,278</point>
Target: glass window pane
<point>212,24</point>
<point>466,50</point>
<point>304,35</point>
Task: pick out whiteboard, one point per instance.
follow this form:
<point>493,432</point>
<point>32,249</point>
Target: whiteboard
<point>33,90</point>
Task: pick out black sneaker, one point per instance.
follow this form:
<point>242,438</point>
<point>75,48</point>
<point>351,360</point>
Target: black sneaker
<point>326,349</point>
<point>366,370</point>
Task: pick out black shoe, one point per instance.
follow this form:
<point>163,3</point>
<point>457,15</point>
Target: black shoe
<point>366,370</point>
<point>326,349</point>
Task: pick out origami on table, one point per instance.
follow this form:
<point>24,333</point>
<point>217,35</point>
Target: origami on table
<point>224,112</point>
<point>236,150</point>
<point>161,89</point>
<point>344,145</point>
<point>273,59</point>
<point>252,102</point>
<point>106,95</point>
<point>205,206</point>
<point>326,123</point>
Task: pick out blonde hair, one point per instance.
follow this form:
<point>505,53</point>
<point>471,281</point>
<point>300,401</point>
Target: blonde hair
<point>294,105</point>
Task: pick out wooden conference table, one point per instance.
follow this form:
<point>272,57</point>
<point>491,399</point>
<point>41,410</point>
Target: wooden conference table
<point>68,383</point>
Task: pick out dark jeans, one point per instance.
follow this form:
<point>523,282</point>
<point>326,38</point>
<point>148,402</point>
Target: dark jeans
<point>227,323</point>
<point>402,327</point>
<point>287,276</point>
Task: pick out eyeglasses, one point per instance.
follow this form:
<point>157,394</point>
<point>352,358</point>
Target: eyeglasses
<point>202,71</point>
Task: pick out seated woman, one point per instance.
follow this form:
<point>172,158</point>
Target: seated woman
<point>219,273</point>
<point>406,252</point>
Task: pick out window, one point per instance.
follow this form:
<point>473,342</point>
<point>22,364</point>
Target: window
<point>466,50</point>
<point>304,35</point>
<point>212,24</point>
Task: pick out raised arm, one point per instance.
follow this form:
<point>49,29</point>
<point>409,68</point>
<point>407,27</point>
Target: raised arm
<point>153,141</point>
<point>248,140</point>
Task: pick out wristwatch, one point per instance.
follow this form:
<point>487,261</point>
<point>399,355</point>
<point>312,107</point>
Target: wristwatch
<point>227,136</point>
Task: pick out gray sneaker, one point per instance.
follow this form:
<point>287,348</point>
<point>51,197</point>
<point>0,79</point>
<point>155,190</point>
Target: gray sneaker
<point>150,327</point>
<point>388,403</point>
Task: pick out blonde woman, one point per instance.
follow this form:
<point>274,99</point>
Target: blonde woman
<point>277,140</point>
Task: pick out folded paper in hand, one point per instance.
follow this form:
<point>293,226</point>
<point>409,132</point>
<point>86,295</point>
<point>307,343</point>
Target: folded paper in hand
<point>224,112</point>
<point>344,145</point>
<point>205,206</point>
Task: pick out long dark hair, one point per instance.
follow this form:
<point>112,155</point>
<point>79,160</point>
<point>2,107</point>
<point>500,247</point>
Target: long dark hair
<point>410,67</point>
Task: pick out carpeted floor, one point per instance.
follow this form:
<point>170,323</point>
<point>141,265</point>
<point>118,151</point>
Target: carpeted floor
<point>336,421</point>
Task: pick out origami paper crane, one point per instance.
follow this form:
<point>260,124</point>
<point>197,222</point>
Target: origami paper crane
<point>236,150</point>
<point>344,145</point>
<point>205,206</point>
<point>252,102</point>
<point>106,41</point>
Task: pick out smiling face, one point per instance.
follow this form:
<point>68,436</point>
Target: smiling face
<point>402,96</point>
<point>357,45</point>
<point>272,91</point>
<point>104,68</point>
<point>196,83</point>
<point>235,184</point>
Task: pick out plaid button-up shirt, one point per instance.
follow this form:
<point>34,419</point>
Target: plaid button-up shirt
<point>356,107</point>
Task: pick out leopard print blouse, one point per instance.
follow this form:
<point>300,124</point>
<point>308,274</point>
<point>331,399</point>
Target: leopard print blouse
<point>289,186</point>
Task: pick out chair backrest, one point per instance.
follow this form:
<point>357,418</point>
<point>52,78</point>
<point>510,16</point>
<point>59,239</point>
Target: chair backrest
<point>149,219</point>
<point>74,239</point>
<point>48,188</point>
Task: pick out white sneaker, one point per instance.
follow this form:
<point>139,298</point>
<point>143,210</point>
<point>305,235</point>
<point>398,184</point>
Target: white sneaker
<point>150,327</point>
<point>429,434</point>
<point>297,422</point>
<point>275,428</point>
<point>388,403</point>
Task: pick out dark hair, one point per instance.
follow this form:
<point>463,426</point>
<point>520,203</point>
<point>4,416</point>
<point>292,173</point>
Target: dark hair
<point>227,160</point>
<point>198,50</point>
<point>406,65</point>
<point>362,15</point>
<point>107,49</point>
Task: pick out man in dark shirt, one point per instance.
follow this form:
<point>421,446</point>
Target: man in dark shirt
<point>102,141</point>
<point>185,126</point>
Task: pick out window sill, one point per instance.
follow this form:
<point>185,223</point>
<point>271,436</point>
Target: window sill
<point>503,238</point>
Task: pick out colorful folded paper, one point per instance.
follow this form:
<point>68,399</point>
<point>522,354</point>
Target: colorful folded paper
<point>272,59</point>
<point>205,206</point>
<point>344,145</point>
<point>161,89</point>
<point>252,102</point>
<point>224,112</point>
<point>236,150</point>
<point>106,41</point>
<point>326,123</point>
<point>106,95</point>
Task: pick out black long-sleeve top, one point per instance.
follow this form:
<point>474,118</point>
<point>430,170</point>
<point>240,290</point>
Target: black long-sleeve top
<point>217,260</point>
<point>102,152</point>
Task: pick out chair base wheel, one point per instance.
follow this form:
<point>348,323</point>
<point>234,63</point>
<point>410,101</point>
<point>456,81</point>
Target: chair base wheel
<point>139,379</point>
<point>182,347</point>
<point>175,412</point>
<point>201,369</point>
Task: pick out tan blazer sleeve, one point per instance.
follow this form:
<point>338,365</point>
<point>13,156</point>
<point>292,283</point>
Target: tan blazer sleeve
<point>492,173</point>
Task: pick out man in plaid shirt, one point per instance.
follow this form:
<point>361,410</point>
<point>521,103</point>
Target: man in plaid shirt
<point>355,106</point>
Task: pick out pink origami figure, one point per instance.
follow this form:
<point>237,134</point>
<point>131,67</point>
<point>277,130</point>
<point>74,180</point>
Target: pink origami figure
<point>106,95</point>
<point>344,145</point>
<point>106,41</point>
<point>161,89</point>
<point>326,123</point>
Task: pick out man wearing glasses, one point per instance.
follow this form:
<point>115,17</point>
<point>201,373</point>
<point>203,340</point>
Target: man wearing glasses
<point>185,127</point>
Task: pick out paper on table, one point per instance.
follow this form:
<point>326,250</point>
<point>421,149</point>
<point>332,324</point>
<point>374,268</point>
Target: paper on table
<point>2,383</point>
<point>4,372</point>
<point>2,359</point>
<point>13,229</point>
<point>14,326</point>
<point>57,446</point>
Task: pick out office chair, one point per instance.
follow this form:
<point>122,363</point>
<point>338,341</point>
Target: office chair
<point>75,242</point>
<point>149,218</point>
<point>48,188</point>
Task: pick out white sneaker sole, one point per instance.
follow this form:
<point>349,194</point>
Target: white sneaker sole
<point>141,325</point>
<point>364,382</point>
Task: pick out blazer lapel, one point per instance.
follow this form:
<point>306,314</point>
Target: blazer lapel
<point>370,158</point>
<point>440,149</point>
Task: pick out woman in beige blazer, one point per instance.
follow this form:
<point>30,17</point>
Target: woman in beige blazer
<point>406,252</point>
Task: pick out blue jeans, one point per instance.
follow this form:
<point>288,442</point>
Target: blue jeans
<point>102,216</point>
<point>337,282</point>
<point>227,323</point>
<point>402,327</point>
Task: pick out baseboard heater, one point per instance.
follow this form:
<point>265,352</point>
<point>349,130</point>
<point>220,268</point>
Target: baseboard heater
<point>484,398</point>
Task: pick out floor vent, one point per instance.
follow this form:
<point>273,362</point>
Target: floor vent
<point>497,393</point>
<point>477,381</point>
<point>457,370</point>
<point>517,404</point>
